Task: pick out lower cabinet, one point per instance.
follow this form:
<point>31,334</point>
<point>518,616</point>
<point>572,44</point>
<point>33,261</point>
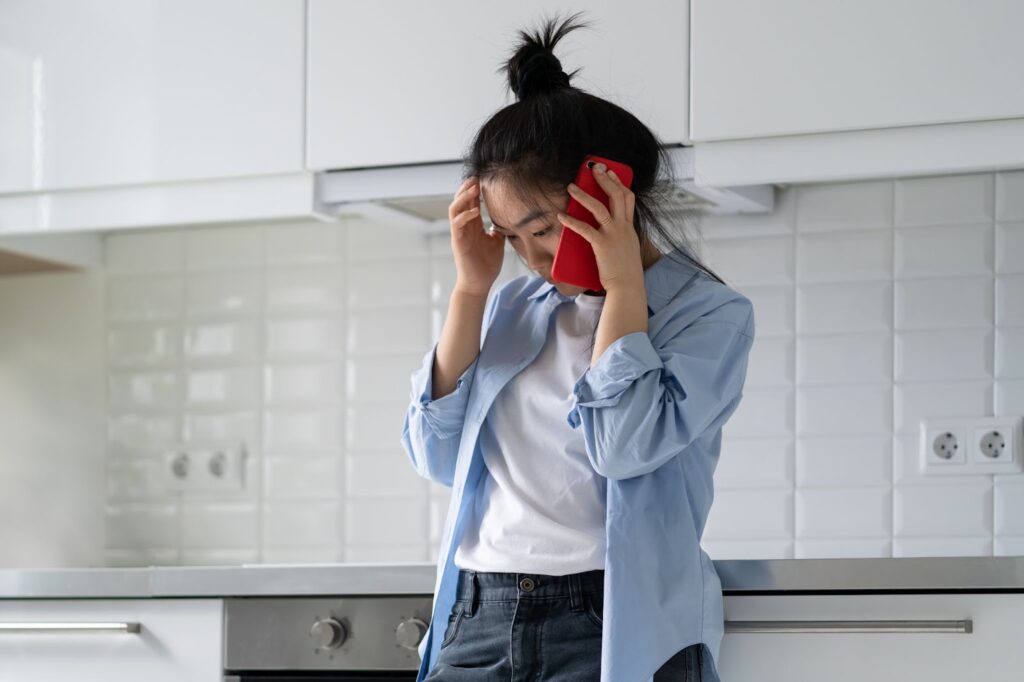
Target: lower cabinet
<point>942,637</point>
<point>111,640</point>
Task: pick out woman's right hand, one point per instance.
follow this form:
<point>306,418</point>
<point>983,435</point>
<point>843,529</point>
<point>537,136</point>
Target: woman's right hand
<point>478,254</point>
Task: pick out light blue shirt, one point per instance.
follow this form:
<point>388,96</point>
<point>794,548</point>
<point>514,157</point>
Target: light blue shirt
<point>651,411</point>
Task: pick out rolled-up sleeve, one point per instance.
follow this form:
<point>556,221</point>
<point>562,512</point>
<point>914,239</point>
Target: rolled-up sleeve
<point>639,405</point>
<point>444,415</point>
<point>432,426</point>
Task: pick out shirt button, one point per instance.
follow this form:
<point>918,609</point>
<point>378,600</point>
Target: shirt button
<point>527,584</point>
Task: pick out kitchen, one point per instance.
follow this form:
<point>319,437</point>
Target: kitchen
<point>225,247</point>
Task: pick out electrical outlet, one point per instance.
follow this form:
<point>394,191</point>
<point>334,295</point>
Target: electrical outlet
<point>994,447</point>
<point>970,446</point>
<point>942,448</point>
<point>205,469</point>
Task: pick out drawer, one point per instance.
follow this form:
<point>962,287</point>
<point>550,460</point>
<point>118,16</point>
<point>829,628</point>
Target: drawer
<point>94,640</point>
<point>879,637</point>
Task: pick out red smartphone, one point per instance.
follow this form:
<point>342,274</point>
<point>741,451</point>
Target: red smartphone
<point>574,261</point>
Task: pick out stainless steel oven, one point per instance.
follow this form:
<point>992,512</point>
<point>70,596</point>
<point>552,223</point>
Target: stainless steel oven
<point>288,639</point>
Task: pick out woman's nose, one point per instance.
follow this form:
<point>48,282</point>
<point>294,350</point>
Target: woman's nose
<point>537,258</point>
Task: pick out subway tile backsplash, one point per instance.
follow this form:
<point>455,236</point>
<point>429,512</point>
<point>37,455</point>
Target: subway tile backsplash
<point>878,304</point>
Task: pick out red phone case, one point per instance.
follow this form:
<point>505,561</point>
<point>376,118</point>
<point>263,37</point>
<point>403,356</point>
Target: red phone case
<point>574,261</point>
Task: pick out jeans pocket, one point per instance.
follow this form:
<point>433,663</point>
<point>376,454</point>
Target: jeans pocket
<point>454,620</point>
<point>593,607</point>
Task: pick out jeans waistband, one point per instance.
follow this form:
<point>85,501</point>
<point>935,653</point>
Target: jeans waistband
<point>476,586</point>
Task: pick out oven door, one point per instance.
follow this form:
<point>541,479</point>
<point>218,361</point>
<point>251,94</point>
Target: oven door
<point>371,638</point>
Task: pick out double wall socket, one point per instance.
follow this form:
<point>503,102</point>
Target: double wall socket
<point>982,445</point>
<point>193,469</point>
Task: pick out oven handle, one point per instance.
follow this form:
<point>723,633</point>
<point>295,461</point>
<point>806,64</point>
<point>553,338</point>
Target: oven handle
<point>965,626</point>
<point>71,627</point>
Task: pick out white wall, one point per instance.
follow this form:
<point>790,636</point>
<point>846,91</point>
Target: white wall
<point>52,435</point>
<point>877,303</point>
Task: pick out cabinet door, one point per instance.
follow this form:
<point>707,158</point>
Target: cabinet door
<point>762,69</point>
<point>411,82</point>
<point>991,651</point>
<point>101,92</point>
<point>179,640</point>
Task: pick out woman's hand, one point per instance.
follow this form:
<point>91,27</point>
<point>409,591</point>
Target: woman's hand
<point>616,244</point>
<point>478,254</point>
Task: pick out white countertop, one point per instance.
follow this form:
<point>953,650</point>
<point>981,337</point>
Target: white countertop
<point>738,576</point>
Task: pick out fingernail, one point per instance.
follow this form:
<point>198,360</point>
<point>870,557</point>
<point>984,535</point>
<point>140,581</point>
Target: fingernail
<point>600,167</point>
<point>612,173</point>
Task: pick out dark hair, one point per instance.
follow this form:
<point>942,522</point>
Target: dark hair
<point>535,145</point>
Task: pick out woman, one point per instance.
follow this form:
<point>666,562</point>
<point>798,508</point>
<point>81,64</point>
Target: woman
<point>581,436</point>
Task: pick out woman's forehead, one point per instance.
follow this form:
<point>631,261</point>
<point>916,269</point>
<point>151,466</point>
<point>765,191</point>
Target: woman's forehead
<point>511,205</point>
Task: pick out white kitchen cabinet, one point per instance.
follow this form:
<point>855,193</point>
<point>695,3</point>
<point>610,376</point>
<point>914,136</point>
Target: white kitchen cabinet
<point>179,640</point>
<point>990,651</point>
<point>805,66</point>
<point>410,82</point>
<point>809,91</point>
<point>101,93</point>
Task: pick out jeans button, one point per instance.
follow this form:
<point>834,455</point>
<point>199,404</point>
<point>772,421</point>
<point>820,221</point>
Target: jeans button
<point>527,584</point>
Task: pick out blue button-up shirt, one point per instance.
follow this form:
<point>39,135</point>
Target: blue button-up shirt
<point>651,412</point>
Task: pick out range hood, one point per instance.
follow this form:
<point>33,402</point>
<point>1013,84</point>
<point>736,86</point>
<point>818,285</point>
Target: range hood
<point>417,196</point>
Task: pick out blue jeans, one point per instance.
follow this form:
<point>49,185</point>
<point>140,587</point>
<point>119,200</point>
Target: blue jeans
<point>529,626</point>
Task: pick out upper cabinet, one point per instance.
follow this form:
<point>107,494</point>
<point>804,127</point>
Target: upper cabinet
<point>806,66</point>
<point>411,82</point>
<point>95,93</point>
<point>903,77</point>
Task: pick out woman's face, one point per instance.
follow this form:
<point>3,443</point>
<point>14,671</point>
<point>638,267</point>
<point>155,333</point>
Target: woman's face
<point>532,233</point>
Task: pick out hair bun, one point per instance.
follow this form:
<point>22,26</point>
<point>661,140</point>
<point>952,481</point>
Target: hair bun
<point>539,72</point>
<point>533,67</point>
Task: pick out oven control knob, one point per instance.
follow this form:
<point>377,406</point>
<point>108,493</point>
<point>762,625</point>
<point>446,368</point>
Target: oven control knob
<point>328,633</point>
<point>409,632</point>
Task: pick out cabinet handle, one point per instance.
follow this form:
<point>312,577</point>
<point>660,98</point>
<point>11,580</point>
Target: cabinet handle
<point>76,627</point>
<point>961,626</point>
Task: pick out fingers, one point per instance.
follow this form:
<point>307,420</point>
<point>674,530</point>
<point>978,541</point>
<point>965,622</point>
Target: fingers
<point>591,203</point>
<point>619,196</point>
<point>461,219</point>
<point>464,198</point>
<point>583,229</point>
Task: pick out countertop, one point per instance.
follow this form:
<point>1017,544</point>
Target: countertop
<point>738,577</point>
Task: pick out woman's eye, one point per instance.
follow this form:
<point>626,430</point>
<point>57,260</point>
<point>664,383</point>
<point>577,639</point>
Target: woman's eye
<point>542,233</point>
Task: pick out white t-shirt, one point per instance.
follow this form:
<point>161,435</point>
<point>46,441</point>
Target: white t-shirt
<point>540,506</point>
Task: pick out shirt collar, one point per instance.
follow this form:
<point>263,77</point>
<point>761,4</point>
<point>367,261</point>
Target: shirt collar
<point>662,281</point>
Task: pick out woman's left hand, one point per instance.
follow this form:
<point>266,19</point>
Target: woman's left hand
<point>616,244</point>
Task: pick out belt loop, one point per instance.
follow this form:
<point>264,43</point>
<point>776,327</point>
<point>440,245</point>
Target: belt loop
<point>471,609</point>
<point>575,592</point>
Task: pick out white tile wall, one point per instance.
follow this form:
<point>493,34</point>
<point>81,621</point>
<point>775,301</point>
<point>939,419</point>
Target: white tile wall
<point>877,303</point>
<point>901,300</point>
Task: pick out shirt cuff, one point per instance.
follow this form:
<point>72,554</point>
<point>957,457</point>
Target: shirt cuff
<point>446,414</point>
<point>624,361</point>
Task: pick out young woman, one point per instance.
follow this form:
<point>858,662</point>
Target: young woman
<point>580,437</point>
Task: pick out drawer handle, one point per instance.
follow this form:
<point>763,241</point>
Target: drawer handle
<point>76,627</point>
<point>961,626</point>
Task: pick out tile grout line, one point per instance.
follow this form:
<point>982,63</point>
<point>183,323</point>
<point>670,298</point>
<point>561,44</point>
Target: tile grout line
<point>341,551</point>
<point>261,354</point>
<point>180,388</point>
<point>795,358</point>
<point>892,369</point>
<point>995,343</point>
